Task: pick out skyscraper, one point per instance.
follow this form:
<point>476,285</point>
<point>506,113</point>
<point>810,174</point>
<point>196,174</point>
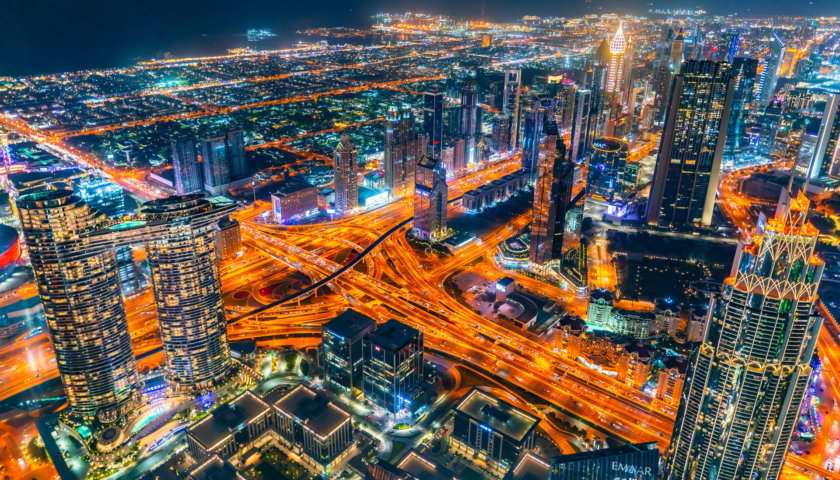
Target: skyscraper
<point>469,109</point>
<point>737,140</point>
<point>748,379</point>
<point>187,170</point>
<point>677,49</point>
<point>510,103</point>
<point>187,288</point>
<point>581,124</point>
<point>346,188</point>
<point>688,164</point>
<point>542,112</point>
<point>430,199</point>
<point>235,146</point>
<point>433,122</point>
<point>341,350</point>
<point>551,198</point>
<point>618,66</point>
<point>826,158</point>
<point>770,72</point>
<point>566,104</point>
<point>403,148</point>
<point>393,367</point>
<point>75,268</point>
<point>606,167</point>
<point>216,165</point>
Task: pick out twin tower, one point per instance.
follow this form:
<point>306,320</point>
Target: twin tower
<point>72,250</point>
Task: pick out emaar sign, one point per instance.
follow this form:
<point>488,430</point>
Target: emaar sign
<point>632,471</point>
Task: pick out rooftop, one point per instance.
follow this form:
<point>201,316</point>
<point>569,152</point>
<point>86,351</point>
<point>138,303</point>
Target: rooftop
<point>419,467</point>
<point>350,324</point>
<point>498,415</point>
<point>393,335</point>
<point>530,467</point>
<point>607,452</point>
<point>315,412</point>
<point>226,419</point>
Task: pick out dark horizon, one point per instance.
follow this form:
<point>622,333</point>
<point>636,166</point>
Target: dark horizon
<point>57,36</point>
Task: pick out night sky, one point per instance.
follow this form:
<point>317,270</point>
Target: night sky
<point>44,36</point>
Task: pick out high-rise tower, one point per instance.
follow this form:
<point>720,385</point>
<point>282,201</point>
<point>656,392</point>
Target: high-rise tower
<point>770,72</point>
<point>542,112</point>
<point>510,103</point>
<point>76,271</point>
<point>618,66</point>
<point>433,122</point>
<point>551,199</point>
<point>188,290</point>
<point>346,188</point>
<point>688,164</point>
<point>826,158</point>
<point>185,162</point>
<point>582,125</point>
<point>749,377</point>
<point>430,199</point>
<point>214,158</point>
<point>403,148</point>
<point>737,140</point>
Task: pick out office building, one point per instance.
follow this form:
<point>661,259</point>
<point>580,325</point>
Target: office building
<point>500,135</point>
<point>510,103</point>
<point>541,112</point>
<point>313,424</point>
<point>566,94</point>
<point>430,199</point>
<point>214,158</point>
<point>393,368</point>
<point>346,186</point>
<point>677,48</point>
<point>581,125</point>
<point>102,195</point>
<point>770,71</point>
<point>229,427</point>
<point>187,289</point>
<point>433,122</point>
<point>551,198</point>
<point>188,175</point>
<point>235,149</point>
<point>294,199</point>
<point>826,158</point>
<point>744,70</point>
<point>606,168</point>
<point>639,461</point>
<point>75,268</point>
<point>492,429</point>
<point>469,109</point>
<point>403,148</point>
<point>685,180</point>
<point>749,378</point>
<point>341,350</point>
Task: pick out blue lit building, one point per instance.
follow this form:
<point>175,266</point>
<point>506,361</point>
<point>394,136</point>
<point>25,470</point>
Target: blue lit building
<point>606,168</point>
<point>393,368</point>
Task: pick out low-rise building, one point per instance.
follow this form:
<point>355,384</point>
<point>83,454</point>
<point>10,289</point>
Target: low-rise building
<point>635,325</point>
<point>240,421</point>
<point>568,335</point>
<point>492,429</point>
<point>634,365</point>
<point>600,306</point>
<point>294,199</point>
<point>671,379</point>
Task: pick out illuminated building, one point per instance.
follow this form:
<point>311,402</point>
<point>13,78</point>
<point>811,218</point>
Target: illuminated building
<point>9,250</point>
<point>826,159</point>
<point>639,461</point>
<point>403,148</point>
<point>510,103</point>
<point>294,199</point>
<point>552,196</point>
<point>634,365</point>
<point>632,324</point>
<point>617,73</point>
<point>430,199</point>
<point>346,186</point>
<point>469,109</point>
<point>542,111</point>
<point>188,176</point>
<point>495,430</point>
<point>671,379</point>
<point>667,313</point>
<point>685,180</point>
<point>393,368</point>
<point>214,158</point>
<point>76,271</point>
<point>433,122</point>
<point>606,168</point>
<point>737,139</point>
<point>632,175</point>
<point>770,72</point>
<point>341,350</point>
<point>676,58</point>
<point>581,125</point>
<point>311,422</point>
<point>600,306</point>
<point>569,331</point>
<point>501,134</point>
<point>230,427</point>
<point>235,148</point>
<point>188,290</point>
<point>102,195</point>
<point>228,239</point>
<point>753,364</point>
<point>566,104</point>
